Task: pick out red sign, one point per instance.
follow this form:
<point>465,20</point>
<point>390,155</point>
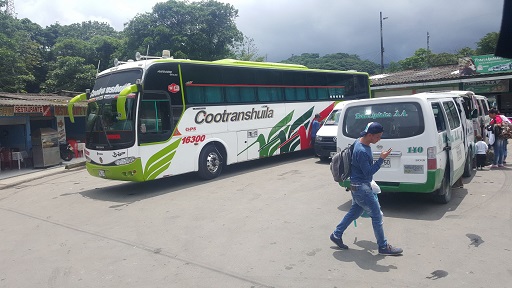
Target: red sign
<point>113,136</point>
<point>173,88</point>
<point>44,110</point>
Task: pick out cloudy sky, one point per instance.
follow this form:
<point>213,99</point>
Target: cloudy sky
<point>281,28</point>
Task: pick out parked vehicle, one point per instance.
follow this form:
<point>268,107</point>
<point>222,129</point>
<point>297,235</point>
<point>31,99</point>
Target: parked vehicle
<point>66,152</point>
<point>431,135</point>
<point>325,142</point>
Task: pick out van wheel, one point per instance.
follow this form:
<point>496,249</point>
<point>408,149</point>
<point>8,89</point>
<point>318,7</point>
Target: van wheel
<point>468,166</point>
<point>210,162</point>
<point>324,158</point>
<point>443,195</point>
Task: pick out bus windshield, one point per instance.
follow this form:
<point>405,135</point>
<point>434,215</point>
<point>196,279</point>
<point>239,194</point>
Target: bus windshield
<point>104,129</point>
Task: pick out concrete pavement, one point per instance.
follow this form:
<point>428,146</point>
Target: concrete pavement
<point>20,176</point>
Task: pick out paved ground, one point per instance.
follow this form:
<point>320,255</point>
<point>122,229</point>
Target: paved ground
<point>262,224</point>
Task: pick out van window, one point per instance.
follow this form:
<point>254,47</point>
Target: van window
<point>484,106</point>
<point>452,114</point>
<point>333,118</point>
<point>438,116</point>
<point>400,120</point>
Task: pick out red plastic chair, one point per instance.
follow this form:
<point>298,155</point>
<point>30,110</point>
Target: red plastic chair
<point>74,145</point>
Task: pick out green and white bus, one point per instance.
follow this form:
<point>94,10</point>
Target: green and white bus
<point>158,117</point>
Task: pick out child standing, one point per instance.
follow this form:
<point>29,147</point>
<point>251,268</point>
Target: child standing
<point>481,151</point>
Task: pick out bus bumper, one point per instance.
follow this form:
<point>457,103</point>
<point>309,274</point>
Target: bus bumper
<point>128,172</point>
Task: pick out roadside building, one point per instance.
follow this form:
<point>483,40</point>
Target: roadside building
<point>21,115</point>
<point>485,75</point>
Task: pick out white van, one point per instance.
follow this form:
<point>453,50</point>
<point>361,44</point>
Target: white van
<point>482,118</point>
<point>432,145</point>
<point>325,142</point>
<point>479,110</point>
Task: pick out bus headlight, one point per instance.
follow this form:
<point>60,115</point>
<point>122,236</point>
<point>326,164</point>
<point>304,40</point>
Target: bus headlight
<point>124,161</point>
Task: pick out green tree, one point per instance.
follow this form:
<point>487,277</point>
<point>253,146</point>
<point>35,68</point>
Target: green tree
<point>70,73</point>
<point>21,57</point>
<point>418,61</point>
<point>246,50</point>
<point>336,61</point>
<point>86,30</point>
<point>201,30</point>
<point>442,59</point>
<point>465,52</point>
<point>487,44</point>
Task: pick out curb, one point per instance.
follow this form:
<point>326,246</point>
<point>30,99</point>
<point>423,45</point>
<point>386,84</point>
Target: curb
<point>14,181</point>
<point>74,165</point>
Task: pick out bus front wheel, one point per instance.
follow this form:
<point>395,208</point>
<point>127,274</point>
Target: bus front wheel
<point>210,162</point>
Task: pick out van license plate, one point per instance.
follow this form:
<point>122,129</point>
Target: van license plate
<point>414,169</point>
<point>385,164</point>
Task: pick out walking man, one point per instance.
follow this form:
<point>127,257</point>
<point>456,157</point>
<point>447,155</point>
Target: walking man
<point>363,198</point>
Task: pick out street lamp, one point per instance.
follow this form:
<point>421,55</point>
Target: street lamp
<point>381,45</point>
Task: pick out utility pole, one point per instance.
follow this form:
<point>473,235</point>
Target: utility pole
<point>381,45</point>
<point>428,49</point>
<point>428,42</point>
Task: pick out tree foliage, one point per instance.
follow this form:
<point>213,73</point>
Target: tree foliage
<point>67,57</point>
<point>201,30</point>
<point>487,44</point>
<point>70,73</point>
<point>246,50</point>
<point>337,61</point>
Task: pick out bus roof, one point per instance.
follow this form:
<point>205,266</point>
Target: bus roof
<point>131,64</point>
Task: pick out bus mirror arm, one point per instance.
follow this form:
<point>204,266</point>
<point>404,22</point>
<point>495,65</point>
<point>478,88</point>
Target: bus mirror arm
<point>71,104</point>
<point>121,100</point>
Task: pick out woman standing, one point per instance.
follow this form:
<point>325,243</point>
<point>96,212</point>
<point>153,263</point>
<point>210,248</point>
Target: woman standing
<point>499,142</point>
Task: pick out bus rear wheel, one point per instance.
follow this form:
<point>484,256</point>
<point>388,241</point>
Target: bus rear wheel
<point>210,162</point>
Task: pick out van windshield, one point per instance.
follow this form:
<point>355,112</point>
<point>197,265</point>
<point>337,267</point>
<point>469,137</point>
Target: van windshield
<point>400,120</point>
<point>333,118</point>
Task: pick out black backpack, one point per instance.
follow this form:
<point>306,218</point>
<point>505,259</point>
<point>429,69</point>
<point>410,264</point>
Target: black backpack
<point>341,164</point>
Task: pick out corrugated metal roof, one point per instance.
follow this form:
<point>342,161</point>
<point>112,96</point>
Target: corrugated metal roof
<point>433,74</point>
<point>27,99</point>
<point>425,75</point>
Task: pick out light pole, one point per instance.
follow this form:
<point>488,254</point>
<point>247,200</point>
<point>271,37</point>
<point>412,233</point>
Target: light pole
<point>381,45</point>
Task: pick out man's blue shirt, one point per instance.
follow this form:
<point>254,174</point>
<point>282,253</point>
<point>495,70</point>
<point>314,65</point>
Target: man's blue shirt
<point>314,128</point>
<point>363,167</point>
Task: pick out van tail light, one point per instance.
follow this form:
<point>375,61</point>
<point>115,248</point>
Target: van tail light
<point>431,158</point>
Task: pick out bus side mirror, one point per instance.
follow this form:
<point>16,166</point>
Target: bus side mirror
<point>121,100</point>
<point>71,104</point>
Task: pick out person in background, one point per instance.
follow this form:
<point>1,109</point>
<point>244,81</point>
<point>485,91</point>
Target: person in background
<point>314,128</point>
<point>499,143</point>
<point>363,197</point>
<point>481,152</point>
<point>506,122</point>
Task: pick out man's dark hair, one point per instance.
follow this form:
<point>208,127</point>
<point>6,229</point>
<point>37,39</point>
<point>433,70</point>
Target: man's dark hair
<point>493,111</point>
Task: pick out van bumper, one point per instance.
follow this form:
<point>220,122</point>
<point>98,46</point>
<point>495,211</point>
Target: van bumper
<point>324,149</point>
<point>434,179</point>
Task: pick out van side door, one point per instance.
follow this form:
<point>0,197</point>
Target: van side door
<point>455,134</point>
